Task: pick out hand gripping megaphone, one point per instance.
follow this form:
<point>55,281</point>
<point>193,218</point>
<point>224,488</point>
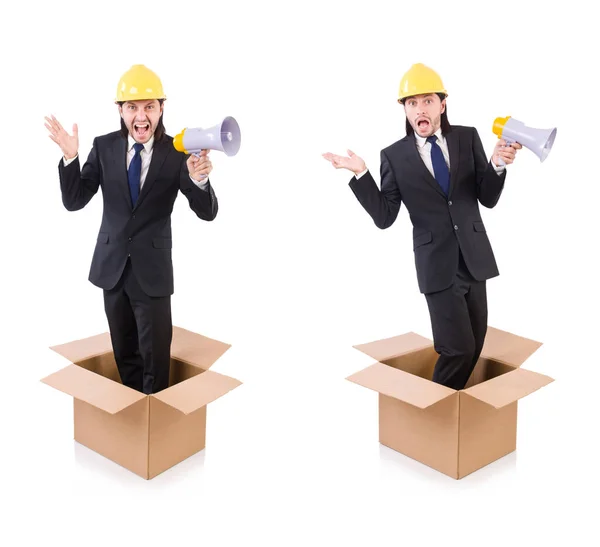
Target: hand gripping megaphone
<point>225,136</point>
<point>539,141</point>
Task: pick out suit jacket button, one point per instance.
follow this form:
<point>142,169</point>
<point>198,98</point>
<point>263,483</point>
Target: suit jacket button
<point>129,240</point>
<point>449,203</point>
<point>455,227</point>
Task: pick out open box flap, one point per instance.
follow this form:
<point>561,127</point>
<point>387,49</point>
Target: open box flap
<point>388,348</point>
<point>507,347</point>
<point>78,350</point>
<point>196,349</point>
<point>401,385</point>
<point>105,394</point>
<point>197,392</point>
<point>508,388</point>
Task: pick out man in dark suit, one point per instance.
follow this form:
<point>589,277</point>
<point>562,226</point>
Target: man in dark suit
<point>440,172</point>
<point>140,174</point>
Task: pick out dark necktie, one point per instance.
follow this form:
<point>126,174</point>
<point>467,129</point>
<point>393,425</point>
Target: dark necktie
<point>134,172</point>
<point>442,174</point>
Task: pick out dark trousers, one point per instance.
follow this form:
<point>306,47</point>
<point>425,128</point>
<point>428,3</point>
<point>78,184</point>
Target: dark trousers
<point>141,332</point>
<point>459,323</point>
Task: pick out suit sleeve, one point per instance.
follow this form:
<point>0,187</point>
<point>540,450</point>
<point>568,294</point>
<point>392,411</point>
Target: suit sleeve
<point>489,183</point>
<point>203,201</point>
<point>382,205</point>
<point>77,186</point>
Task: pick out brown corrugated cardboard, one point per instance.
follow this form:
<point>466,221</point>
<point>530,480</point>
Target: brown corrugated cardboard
<point>455,432</point>
<point>146,434</point>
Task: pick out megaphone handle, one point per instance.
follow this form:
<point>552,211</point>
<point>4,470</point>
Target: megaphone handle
<point>198,155</point>
<point>508,141</point>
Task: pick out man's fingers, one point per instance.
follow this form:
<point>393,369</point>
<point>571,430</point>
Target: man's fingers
<point>51,124</point>
<point>59,130</point>
<point>503,145</point>
<point>60,127</point>
<point>333,157</point>
<point>203,166</point>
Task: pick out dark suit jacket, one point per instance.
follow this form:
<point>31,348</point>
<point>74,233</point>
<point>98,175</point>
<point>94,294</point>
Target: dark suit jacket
<point>144,232</point>
<point>441,225</point>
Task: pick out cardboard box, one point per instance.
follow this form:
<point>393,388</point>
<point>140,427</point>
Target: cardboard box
<point>146,434</point>
<point>455,432</point>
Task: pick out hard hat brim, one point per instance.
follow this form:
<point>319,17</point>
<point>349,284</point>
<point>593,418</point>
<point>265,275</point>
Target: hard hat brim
<point>443,92</point>
<point>119,101</point>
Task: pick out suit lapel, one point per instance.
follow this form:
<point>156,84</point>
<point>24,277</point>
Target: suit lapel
<point>415,158</point>
<point>452,140</point>
<point>119,150</point>
<point>159,154</point>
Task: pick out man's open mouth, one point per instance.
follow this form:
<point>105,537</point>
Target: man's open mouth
<point>141,129</point>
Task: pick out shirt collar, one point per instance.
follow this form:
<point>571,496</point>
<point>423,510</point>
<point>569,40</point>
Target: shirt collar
<point>421,141</point>
<point>147,146</point>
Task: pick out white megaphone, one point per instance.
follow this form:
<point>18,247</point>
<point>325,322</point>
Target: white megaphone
<point>225,136</point>
<point>539,141</point>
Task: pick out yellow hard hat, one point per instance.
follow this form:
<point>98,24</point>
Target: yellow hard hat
<point>139,83</point>
<point>419,80</point>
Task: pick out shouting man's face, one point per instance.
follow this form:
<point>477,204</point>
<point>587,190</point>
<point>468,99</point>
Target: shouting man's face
<point>141,118</point>
<point>424,113</point>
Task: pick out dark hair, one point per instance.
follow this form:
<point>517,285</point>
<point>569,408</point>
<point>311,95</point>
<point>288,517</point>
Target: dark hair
<point>444,123</point>
<point>160,131</point>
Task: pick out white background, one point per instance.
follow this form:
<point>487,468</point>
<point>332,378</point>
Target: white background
<point>293,272</point>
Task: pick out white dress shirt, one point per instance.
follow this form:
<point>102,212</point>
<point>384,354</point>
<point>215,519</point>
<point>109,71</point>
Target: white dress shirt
<point>424,149</point>
<point>146,155</point>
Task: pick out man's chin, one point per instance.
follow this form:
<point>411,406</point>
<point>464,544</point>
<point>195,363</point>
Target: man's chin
<point>425,131</point>
<point>141,138</point>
